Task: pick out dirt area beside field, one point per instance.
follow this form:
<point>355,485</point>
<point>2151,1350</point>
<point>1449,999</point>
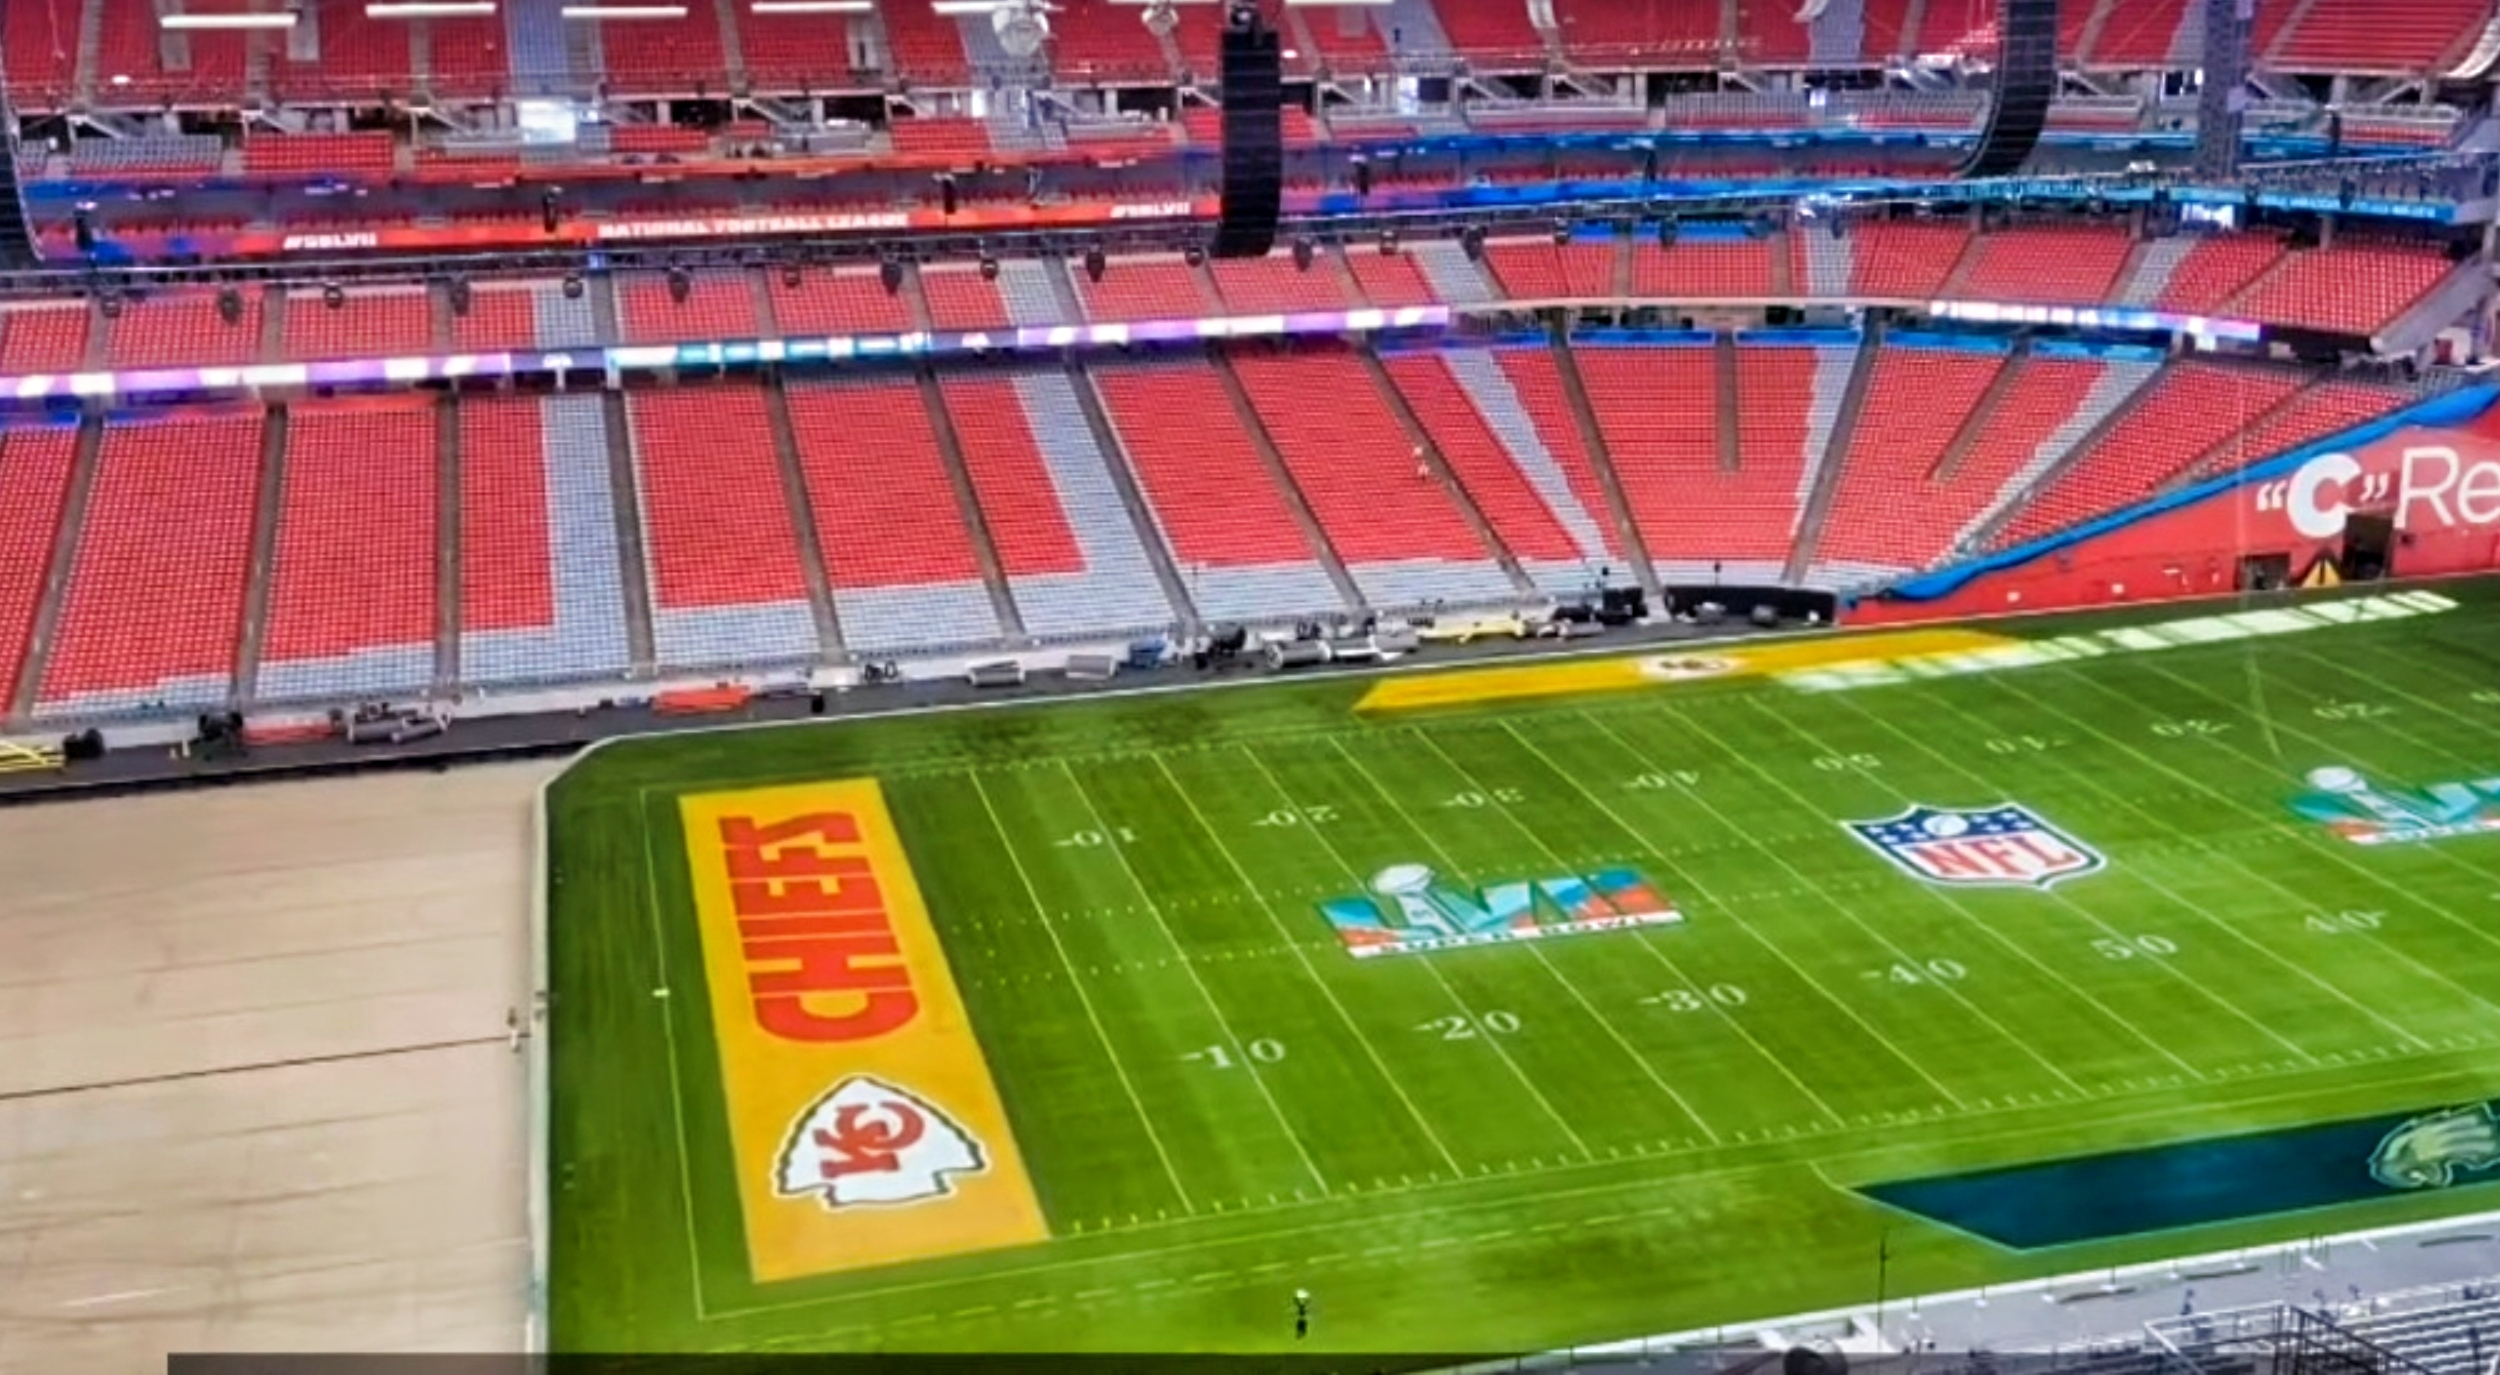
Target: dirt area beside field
<point>257,1091</point>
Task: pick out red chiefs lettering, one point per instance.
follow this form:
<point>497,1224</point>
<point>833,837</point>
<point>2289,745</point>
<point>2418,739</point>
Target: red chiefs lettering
<point>822,961</point>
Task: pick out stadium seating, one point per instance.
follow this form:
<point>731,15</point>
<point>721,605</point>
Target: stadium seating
<point>927,48</point>
<point>1530,505</point>
<point>1390,279</point>
<point>154,608</point>
<point>2350,288</point>
<point>727,583</point>
<point>1770,34</point>
<point>1493,37</point>
<point>1638,33</point>
<point>2192,408</point>
<point>901,564</point>
<point>1064,539</point>
<point>2201,275</point>
<point>1703,268</point>
<point>958,299</point>
<point>541,593</point>
<point>2144,33</point>
<point>300,155</point>
<point>838,301</point>
<point>1099,40</point>
<point>1884,517</point>
<point>183,329</point>
<point>1261,286</point>
<point>366,324</point>
<point>1540,270</point>
<point>719,304</point>
<point>2316,412</point>
<point>2050,265</point>
<point>131,62</point>
<point>796,53</point>
<point>352,583</point>
<point>2372,36</point>
<point>36,466</point>
<point>674,57</point>
<point>943,137</point>
<point>1904,259</point>
<point>1234,539</point>
<point>41,55</point>
<point>1145,288</point>
<point>1341,39</point>
<point>1660,414</point>
<point>467,58</point>
<point>522,315</point>
<point>1397,531</point>
<point>43,338</point>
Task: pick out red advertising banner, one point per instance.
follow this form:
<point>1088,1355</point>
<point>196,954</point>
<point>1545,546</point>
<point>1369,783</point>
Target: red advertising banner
<point>776,224</point>
<point>2430,493</point>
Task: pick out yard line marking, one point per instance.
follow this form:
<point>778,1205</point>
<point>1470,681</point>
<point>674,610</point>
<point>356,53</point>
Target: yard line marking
<point>1491,1043</point>
<point>668,1037</point>
<point>1745,762</point>
<point>1644,941</point>
<point>1730,903</point>
<point>2391,728</point>
<point>2090,916</point>
<point>2321,847</point>
<point>1805,886</point>
<point>1094,1019</point>
<point>1547,964</point>
<point>2207,914</point>
<point>1303,957</point>
<point>2051,1125</point>
<point>1155,908</point>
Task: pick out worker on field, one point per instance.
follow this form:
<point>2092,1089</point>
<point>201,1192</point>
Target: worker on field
<point>1301,1314</point>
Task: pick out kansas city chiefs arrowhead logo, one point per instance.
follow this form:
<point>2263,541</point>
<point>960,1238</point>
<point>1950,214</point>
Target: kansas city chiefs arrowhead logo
<point>868,1142</point>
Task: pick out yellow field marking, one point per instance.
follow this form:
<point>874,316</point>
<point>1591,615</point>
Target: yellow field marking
<point>16,758</point>
<point>1699,663</point>
<point>864,1124</point>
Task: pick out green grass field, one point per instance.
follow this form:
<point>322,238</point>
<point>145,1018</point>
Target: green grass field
<point>1522,1145</point>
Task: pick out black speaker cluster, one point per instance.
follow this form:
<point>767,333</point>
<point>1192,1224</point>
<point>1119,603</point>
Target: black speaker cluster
<point>2026,80</point>
<point>1253,71</point>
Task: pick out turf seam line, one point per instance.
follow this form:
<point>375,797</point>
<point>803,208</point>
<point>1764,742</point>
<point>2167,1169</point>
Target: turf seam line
<point>290,1062</point>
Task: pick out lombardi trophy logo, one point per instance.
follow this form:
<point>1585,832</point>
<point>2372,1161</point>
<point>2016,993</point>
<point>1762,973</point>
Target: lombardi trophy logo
<point>2366,814</point>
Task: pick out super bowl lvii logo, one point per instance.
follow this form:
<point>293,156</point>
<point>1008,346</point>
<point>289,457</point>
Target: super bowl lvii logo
<point>2367,813</point>
<point>1410,908</point>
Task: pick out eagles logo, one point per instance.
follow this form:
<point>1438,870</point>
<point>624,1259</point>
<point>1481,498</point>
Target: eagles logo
<point>2432,1150</point>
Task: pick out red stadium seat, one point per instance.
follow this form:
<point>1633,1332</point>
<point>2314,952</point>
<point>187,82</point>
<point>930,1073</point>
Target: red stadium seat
<point>154,609</point>
<point>351,589</point>
<point>36,464</point>
<point>366,324</point>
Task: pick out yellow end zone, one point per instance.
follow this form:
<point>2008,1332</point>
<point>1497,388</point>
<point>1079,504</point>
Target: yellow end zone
<point>1701,663</point>
<point>863,1120</point>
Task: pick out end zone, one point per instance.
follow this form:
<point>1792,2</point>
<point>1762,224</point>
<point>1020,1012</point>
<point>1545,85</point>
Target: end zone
<point>1704,662</point>
<point>864,1125</point>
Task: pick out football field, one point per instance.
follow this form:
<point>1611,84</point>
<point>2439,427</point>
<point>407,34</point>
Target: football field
<point>1524,1006</point>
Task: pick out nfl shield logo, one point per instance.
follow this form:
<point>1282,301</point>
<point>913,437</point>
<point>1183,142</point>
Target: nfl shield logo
<point>2004,845</point>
